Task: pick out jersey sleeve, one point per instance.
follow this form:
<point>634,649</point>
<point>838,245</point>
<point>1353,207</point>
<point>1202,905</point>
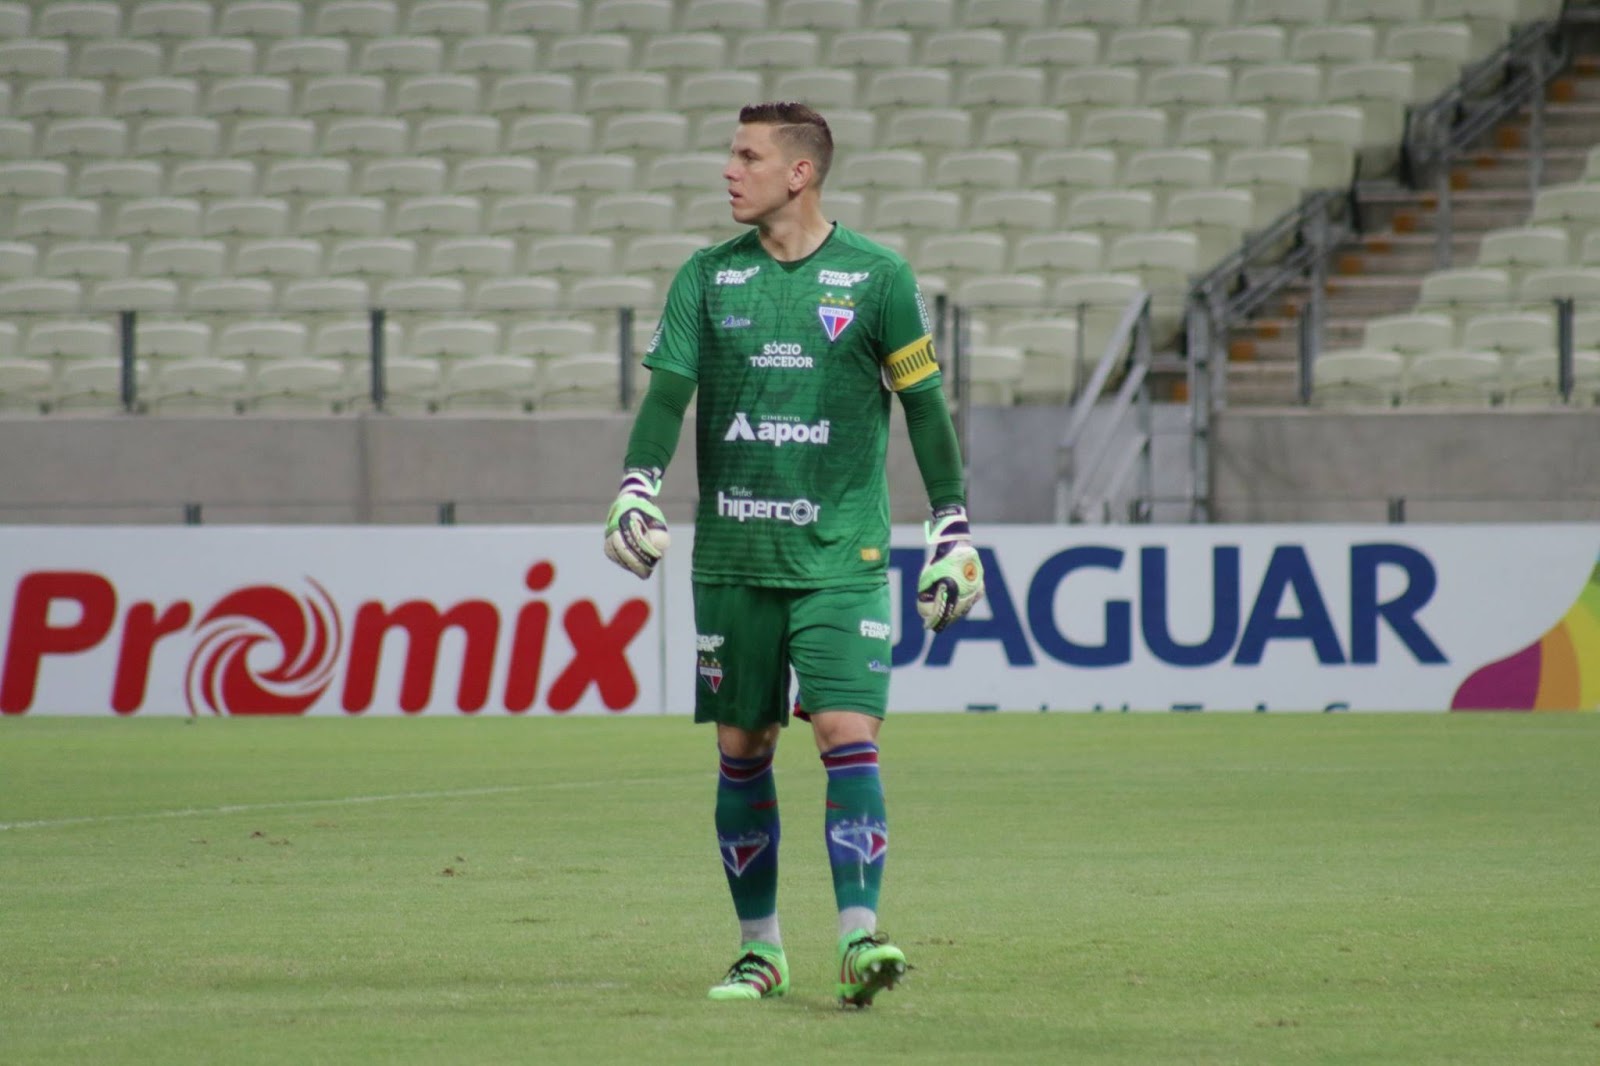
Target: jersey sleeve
<point>676,344</point>
<point>906,334</point>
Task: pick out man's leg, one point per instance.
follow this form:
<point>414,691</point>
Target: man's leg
<point>743,689</point>
<point>748,829</point>
<point>857,829</point>
<point>856,822</point>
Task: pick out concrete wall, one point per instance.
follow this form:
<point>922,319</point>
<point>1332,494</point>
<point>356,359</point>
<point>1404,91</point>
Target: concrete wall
<point>1268,466</point>
<point>373,468</point>
<point>1447,465</point>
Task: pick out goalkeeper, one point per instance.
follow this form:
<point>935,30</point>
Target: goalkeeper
<point>796,333</point>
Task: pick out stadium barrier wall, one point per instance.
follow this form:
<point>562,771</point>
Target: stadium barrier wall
<point>505,619</point>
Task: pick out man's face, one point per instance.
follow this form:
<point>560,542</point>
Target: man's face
<point>757,174</point>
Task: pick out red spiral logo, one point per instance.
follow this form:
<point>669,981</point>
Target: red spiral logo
<point>225,674</point>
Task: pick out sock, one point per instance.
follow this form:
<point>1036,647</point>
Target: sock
<point>857,832</point>
<point>747,834</point>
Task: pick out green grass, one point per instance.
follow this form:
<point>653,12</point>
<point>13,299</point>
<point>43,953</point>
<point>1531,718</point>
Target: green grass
<point>1086,889</point>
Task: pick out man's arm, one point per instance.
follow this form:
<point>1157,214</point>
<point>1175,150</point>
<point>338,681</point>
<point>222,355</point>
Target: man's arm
<point>659,421</point>
<point>952,579</point>
<point>933,442</point>
<point>636,530</point>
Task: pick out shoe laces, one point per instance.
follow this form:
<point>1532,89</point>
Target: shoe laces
<point>866,940</point>
<point>749,965</point>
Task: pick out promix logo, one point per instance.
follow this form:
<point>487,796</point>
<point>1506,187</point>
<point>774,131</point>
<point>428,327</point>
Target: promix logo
<point>266,650</point>
<point>777,431</point>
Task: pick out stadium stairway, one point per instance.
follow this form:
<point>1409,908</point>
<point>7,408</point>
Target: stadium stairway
<point>1380,271</point>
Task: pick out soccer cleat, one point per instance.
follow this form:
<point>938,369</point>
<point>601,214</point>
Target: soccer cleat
<point>868,964</point>
<point>762,971</point>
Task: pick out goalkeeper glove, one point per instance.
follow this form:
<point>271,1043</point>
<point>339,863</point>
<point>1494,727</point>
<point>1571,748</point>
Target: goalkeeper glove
<point>636,531</point>
<point>952,578</point>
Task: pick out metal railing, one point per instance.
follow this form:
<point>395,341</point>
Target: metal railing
<point>1087,488</point>
<point>1295,248</point>
<point>1488,92</point>
<point>368,378</point>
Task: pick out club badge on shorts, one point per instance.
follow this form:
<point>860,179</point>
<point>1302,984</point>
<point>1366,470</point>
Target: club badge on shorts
<point>836,312</point>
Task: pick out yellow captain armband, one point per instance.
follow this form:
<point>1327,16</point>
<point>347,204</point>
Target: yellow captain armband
<point>911,364</point>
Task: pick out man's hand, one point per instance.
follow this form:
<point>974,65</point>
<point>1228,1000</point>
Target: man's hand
<point>952,578</point>
<point>636,531</point>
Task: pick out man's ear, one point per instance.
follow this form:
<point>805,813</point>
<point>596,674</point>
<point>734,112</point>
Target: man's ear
<point>801,173</point>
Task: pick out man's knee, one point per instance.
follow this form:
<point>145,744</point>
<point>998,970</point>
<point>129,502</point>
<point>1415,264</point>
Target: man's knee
<point>739,743</point>
<point>834,729</point>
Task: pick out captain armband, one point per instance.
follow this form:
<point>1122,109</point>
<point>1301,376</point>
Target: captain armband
<point>911,364</point>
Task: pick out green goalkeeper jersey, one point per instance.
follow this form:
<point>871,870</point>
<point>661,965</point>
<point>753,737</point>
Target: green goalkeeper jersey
<point>794,364</point>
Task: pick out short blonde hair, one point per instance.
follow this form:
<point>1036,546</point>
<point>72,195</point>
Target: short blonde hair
<point>800,130</point>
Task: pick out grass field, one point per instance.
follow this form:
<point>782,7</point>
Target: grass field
<point>1078,889</point>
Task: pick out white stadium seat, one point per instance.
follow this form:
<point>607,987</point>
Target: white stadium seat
<point>725,15</point>
<point>32,179</point>
<point>78,19</point>
<point>30,58</point>
<point>118,178</point>
<point>249,96</point>
<point>332,95</point>
<point>540,16</point>
<point>231,295</point>
<point>1063,251</point>
<point>402,176</point>
<point>307,177</point>
<point>452,338</point>
<point>293,386</point>
<point>871,49</point>
<point>1453,379</point>
<point>246,217</point>
<point>213,57</point>
<point>315,295</point>
<point>306,56</point>
<point>186,259</point>
<point>88,259</point>
<point>491,383</point>
<point>163,339</point>
<point>500,175</point>
<point>449,18</point>
<point>824,15</point>
<point>65,340</point>
<point>1510,333</point>
<point>472,257</point>
<point>1409,334</point>
<point>1356,378</point>
<point>133,294</point>
<point>370,257</point>
<point>198,386</point>
<point>262,19</point>
<point>262,339</point>
<point>170,19</point>
<point>287,257</point>
<point>494,55</point>
<point>515,295</point>
<point>56,218</point>
<point>399,56</point>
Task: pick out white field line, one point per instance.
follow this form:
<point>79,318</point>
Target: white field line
<point>335,801</point>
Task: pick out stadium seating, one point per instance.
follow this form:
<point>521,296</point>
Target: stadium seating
<point>533,165</point>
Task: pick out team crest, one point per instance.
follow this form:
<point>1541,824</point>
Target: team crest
<point>740,851</point>
<point>711,671</point>
<point>867,839</point>
<point>836,312</point>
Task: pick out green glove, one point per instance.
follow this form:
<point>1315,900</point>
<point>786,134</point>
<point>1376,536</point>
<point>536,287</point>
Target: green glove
<point>636,530</point>
<point>952,579</point>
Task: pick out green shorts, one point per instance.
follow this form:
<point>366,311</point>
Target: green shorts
<point>748,637</point>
